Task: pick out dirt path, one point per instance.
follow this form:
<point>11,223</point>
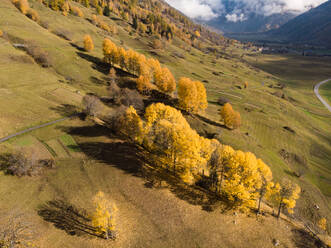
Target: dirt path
<point>316,88</point>
<point>33,128</point>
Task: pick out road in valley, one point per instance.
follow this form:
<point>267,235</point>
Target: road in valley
<point>316,88</point>
<point>32,129</point>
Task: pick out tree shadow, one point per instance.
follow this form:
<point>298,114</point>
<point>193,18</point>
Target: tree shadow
<point>67,217</point>
<point>304,239</point>
<point>97,81</point>
<point>77,47</point>
<point>97,63</point>
<point>66,110</point>
<point>136,161</point>
<point>88,131</point>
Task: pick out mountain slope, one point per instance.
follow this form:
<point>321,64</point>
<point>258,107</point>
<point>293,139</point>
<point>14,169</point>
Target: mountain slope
<point>313,27</point>
<point>173,216</point>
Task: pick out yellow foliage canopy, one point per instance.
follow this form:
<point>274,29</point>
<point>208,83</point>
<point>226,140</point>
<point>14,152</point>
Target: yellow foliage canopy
<point>192,95</point>
<point>230,117</point>
<point>103,217</point>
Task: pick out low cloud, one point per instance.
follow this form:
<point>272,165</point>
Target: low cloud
<point>235,18</point>
<point>209,9</point>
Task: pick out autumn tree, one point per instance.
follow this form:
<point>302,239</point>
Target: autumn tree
<point>143,84</point>
<point>230,117</point>
<point>218,164</point>
<point>88,43</point>
<point>164,80</point>
<point>266,177</point>
<point>110,52</point>
<point>202,96</point>
<point>192,95</point>
<point>284,195</point>
<point>103,217</point>
<point>246,85</point>
<point>242,180</point>
<point>178,147</point>
<point>131,126</point>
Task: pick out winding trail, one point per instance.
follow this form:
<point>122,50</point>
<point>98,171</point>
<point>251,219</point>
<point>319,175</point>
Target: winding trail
<point>34,128</point>
<point>316,88</point>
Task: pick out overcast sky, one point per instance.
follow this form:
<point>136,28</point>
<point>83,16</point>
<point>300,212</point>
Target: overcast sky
<point>209,9</point>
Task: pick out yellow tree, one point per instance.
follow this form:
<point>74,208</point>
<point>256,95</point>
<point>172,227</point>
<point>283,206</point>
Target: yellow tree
<point>164,80</point>
<point>227,114</point>
<point>88,43</point>
<point>103,217</point>
<point>218,164</point>
<point>230,117</point>
<point>123,59</point>
<point>172,139</point>
<point>242,180</point>
<point>187,95</point>
<point>266,177</point>
<point>143,84</point>
<point>202,96</point>
<point>110,52</point>
<point>284,195</point>
<point>192,95</point>
<point>131,126</point>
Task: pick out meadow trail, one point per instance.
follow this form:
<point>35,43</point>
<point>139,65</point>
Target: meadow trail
<point>316,89</point>
<point>33,128</point>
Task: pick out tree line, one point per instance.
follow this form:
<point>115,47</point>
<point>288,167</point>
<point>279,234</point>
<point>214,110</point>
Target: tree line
<point>173,145</point>
<point>150,75</point>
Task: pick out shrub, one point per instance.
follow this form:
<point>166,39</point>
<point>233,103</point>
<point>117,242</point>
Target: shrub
<point>157,44</point>
<point>40,56</point>
<point>132,98</point>
<point>92,105</point>
<point>65,34</point>
<point>22,165</point>
<point>33,15</point>
<point>22,5</point>
<point>76,11</point>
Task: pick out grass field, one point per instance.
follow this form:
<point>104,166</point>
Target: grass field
<point>89,160</point>
<point>325,91</point>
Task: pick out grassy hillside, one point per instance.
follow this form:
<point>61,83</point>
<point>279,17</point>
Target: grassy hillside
<point>89,159</point>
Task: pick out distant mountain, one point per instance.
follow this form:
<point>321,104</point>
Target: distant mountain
<point>312,27</point>
<point>252,23</point>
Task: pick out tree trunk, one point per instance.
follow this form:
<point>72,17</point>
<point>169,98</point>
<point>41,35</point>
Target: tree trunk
<point>174,164</point>
<point>279,208</point>
<point>221,180</point>
<point>260,200</point>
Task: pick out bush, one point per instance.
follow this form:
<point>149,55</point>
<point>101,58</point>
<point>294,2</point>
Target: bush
<point>132,98</point>
<point>65,34</point>
<point>22,5</point>
<point>157,44</point>
<point>20,164</point>
<point>33,15</point>
<point>76,11</point>
<point>41,57</point>
<point>92,105</point>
